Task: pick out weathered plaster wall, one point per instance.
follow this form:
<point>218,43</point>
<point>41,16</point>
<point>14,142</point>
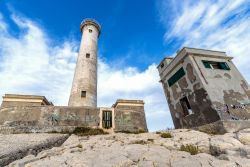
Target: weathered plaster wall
<point>130,118</point>
<point>226,87</point>
<point>50,116</point>
<point>190,86</point>
<point>64,119</point>
<point>14,103</point>
<point>85,77</point>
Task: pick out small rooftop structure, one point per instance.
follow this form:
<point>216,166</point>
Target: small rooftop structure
<point>10,100</point>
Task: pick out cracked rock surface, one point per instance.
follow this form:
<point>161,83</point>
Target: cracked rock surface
<point>16,146</point>
<point>147,149</point>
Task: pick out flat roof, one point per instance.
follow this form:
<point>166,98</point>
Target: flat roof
<point>196,52</point>
<point>18,96</point>
<point>127,101</point>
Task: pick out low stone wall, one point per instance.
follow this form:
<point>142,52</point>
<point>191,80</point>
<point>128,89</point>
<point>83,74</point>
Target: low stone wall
<point>224,126</point>
<point>47,119</point>
<point>130,119</point>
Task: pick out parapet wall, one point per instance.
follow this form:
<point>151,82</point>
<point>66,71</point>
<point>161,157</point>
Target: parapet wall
<point>48,118</point>
<point>40,119</point>
<point>224,126</point>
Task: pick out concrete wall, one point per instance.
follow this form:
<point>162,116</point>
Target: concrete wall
<point>49,116</point>
<point>130,118</point>
<point>23,119</point>
<point>226,87</point>
<point>192,86</point>
<point>16,103</point>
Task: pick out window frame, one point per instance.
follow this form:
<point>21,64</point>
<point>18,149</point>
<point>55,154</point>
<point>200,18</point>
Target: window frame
<point>186,107</point>
<point>221,65</point>
<point>87,55</point>
<point>176,77</point>
<point>83,94</point>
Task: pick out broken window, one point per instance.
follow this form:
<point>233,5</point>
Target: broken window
<point>90,30</point>
<point>216,65</point>
<point>83,93</point>
<point>87,55</point>
<point>180,73</point>
<point>186,106</point>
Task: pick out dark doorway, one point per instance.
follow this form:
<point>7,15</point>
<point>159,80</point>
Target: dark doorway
<point>186,106</point>
<point>107,119</point>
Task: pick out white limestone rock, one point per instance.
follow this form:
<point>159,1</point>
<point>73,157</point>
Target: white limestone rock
<point>145,150</point>
<point>244,136</point>
<point>225,144</point>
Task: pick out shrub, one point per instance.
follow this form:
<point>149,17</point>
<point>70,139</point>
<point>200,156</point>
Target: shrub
<point>158,132</point>
<point>132,132</point>
<point>151,140</point>
<point>79,146</point>
<point>190,148</point>
<point>166,135</point>
<point>87,131</point>
<point>139,142</point>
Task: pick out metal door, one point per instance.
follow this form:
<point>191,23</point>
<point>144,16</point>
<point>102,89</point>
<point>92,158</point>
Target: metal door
<point>107,119</point>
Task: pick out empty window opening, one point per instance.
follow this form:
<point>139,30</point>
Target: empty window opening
<point>186,107</point>
<point>83,93</point>
<point>87,55</point>
<point>178,75</point>
<point>90,30</point>
<point>107,119</point>
<point>216,65</point>
<point>162,65</point>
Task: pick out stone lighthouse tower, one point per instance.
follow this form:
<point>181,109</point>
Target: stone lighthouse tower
<point>84,86</point>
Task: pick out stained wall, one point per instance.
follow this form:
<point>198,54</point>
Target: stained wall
<point>192,87</point>
<point>130,118</point>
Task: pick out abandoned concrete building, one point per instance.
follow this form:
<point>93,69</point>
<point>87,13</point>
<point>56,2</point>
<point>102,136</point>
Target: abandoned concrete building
<point>29,113</point>
<point>204,86</point>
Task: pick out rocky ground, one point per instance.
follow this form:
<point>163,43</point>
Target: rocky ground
<point>16,146</point>
<point>147,149</point>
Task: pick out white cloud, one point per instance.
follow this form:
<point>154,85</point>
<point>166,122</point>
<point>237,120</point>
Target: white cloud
<point>32,64</point>
<point>213,24</point>
<point>129,83</point>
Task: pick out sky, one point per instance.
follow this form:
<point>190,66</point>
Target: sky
<point>39,42</point>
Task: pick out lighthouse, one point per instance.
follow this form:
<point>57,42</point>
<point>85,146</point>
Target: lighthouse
<point>84,86</point>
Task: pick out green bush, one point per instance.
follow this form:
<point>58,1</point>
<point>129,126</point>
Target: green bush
<point>87,131</point>
<point>190,148</point>
<point>166,135</point>
<point>132,132</point>
<point>140,142</point>
<point>79,146</point>
<point>151,140</point>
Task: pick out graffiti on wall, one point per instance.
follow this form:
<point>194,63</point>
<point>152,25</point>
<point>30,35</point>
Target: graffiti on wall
<point>53,119</point>
<point>124,120</point>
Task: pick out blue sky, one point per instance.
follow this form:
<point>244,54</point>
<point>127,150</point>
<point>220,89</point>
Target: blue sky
<point>39,42</point>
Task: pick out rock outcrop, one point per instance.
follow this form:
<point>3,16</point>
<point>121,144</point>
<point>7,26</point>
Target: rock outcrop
<point>16,146</point>
<point>146,149</point>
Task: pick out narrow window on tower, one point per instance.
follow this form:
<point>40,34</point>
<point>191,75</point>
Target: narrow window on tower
<point>90,31</point>
<point>83,93</point>
<point>162,65</point>
<point>87,55</point>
